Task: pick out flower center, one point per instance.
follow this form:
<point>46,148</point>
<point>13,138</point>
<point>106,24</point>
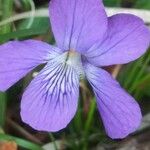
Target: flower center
<point>70,58</point>
<point>74,59</point>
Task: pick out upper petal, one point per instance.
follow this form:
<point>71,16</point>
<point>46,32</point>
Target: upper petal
<point>77,24</point>
<point>119,111</point>
<point>50,101</point>
<point>18,58</point>
<point>127,39</point>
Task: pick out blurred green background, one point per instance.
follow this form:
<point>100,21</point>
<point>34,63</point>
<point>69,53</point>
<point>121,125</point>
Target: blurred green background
<point>86,131</point>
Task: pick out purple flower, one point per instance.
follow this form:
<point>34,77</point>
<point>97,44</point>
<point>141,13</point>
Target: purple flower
<point>86,40</point>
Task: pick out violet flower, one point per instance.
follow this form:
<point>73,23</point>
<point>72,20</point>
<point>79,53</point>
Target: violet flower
<point>86,40</point>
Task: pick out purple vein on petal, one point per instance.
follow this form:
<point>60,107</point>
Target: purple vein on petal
<point>55,92</point>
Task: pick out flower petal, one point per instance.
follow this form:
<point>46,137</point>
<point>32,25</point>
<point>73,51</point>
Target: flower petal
<point>18,58</point>
<point>127,39</point>
<point>50,101</point>
<point>120,113</point>
<point>76,25</point>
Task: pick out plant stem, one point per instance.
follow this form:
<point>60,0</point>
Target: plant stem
<point>88,123</point>
<point>2,109</point>
<point>53,140</point>
<point>6,8</point>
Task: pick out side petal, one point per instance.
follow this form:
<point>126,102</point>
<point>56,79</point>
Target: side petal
<point>77,24</point>
<point>18,58</point>
<point>50,101</point>
<point>127,39</point>
<point>119,111</point>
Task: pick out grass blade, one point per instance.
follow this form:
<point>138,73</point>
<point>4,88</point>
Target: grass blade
<point>20,142</point>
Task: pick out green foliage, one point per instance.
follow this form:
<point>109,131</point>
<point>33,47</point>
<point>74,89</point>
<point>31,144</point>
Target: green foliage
<point>112,3</point>
<point>3,102</point>
<point>143,4</point>
<point>20,142</point>
<point>22,34</point>
<point>137,74</point>
<point>7,10</point>
<point>38,23</point>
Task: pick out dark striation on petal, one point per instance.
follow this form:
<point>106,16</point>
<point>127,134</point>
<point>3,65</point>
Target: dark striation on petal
<point>50,101</point>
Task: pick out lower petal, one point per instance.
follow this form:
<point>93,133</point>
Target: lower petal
<point>119,111</point>
<point>51,100</point>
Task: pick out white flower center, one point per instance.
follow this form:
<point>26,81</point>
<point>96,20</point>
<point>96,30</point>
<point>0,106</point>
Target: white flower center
<point>70,58</point>
<point>73,59</point>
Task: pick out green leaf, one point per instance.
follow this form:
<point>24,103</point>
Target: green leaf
<point>22,34</point>
<point>112,2</point>
<point>20,142</point>
<point>3,102</point>
<point>142,4</point>
<point>39,23</point>
<point>26,4</point>
<point>144,85</point>
<point>7,8</point>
